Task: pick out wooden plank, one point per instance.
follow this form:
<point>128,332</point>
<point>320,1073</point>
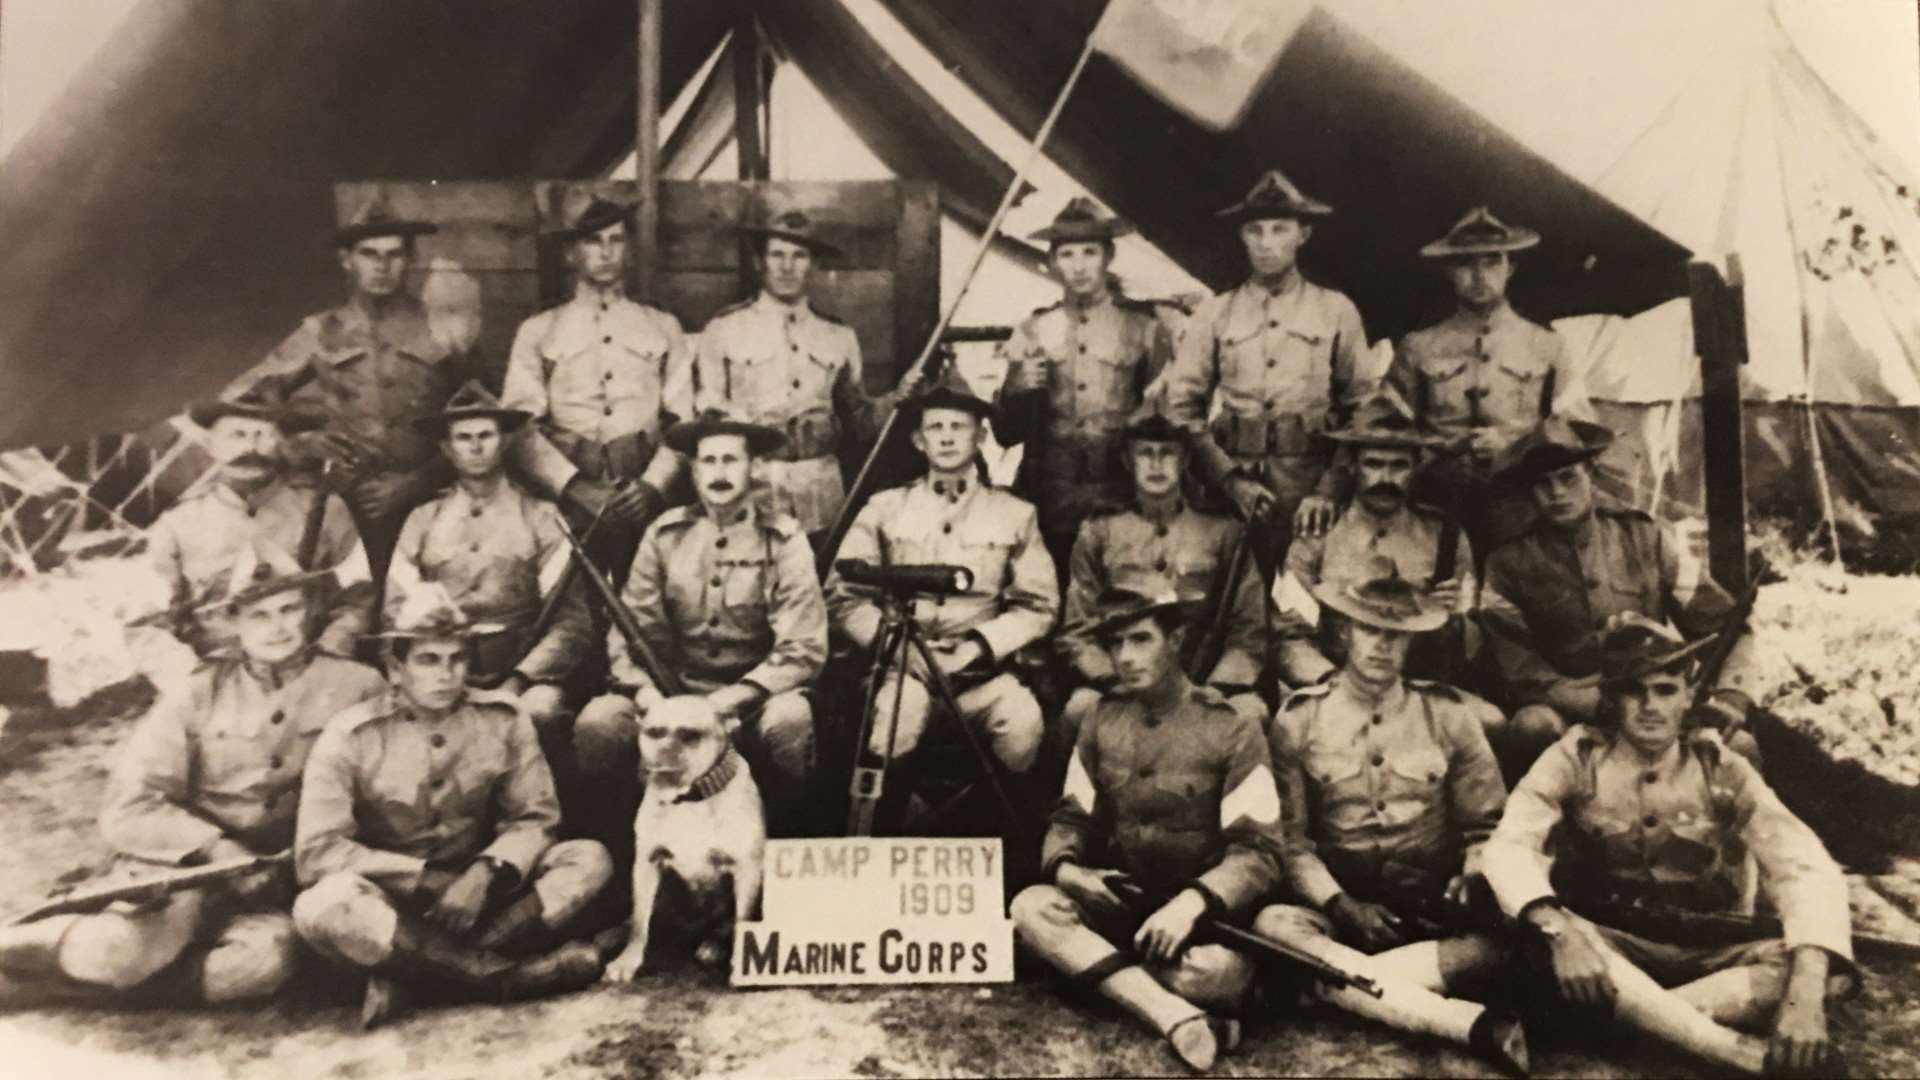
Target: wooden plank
<point>1720,340</point>
<point>646,143</point>
<point>917,272</point>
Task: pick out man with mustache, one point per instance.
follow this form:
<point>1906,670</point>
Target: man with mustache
<point>603,376</point>
<point>1640,809</point>
<point>1169,790</point>
<point>726,593</point>
<point>426,840</point>
<point>1154,541</point>
<point>1075,371</point>
<point>1483,376</point>
<point>1266,368</point>
<point>950,517</point>
<point>778,361</point>
<point>370,366</point>
<point>497,550</point>
<point>1550,591</point>
<point>1388,447</point>
<point>249,498</point>
<point>210,774</point>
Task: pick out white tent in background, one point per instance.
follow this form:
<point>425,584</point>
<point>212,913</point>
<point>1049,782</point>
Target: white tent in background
<point>1757,156</point>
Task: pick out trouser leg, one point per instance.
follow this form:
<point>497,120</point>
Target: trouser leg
<point>1519,739</point>
<point>606,753</point>
<point>1009,714</point>
<point>898,738</point>
<point>779,743</point>
<point>1048,922</point>
<point>120,949</point>
<point>1642,1003</point>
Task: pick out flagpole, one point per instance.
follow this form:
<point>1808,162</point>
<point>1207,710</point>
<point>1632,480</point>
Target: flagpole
<point>1032,157</point>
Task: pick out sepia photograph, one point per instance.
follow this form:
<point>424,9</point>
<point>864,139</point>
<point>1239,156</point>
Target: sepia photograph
<point>878,539</point>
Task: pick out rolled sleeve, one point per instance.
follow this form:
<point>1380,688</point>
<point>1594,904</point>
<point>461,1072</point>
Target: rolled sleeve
<point>1306,874</point>
<point>1515,860</point>
<point>525,387</point>
<point>1475,792</point>
<point>1081,817</point>
<point>1251,825</point>
<point>1804,882</point>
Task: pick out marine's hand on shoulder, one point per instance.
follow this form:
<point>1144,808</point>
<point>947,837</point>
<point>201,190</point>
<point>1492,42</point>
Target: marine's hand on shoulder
<point>1314,516</point>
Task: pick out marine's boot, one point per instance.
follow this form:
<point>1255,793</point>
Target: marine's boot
<point>519,928</point>
<point>573,966</point>
<point>384,1000</point>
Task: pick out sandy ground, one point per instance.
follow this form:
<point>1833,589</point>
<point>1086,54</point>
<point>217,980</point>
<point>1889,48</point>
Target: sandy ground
<point>52,766</point>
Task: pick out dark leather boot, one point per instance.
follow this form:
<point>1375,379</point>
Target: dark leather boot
<point>423,950</point>
<point>518,929</point>
<point>573,966</point>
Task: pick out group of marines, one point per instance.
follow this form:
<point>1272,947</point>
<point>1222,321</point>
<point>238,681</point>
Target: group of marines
<point>1419,600</point>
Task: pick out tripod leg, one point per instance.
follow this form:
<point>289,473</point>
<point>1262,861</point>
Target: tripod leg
<point>996,772</point>
<point>870,781</point>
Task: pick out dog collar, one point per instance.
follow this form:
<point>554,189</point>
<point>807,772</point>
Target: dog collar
<point>713,779</point>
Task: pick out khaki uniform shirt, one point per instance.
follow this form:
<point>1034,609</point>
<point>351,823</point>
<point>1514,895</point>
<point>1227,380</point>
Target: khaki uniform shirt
<point>1410,537</point>
<point>726,603</point>
<point>1015,595</point>
<point>1074,375</point>
<point>1394,797</point>
<point>388,791</point>
<point>1681,827</point>
<point>788,367</point>
<point>604,377</point>
<point>496,554</point>
<point>1264,372</point>
<point>1178,793</point>
<point>1518,370</point>
<point>1550,592</point>
<point>197,543</point>
<point>223,757</point>
<point>1180,547</point>
<point>371,375</point>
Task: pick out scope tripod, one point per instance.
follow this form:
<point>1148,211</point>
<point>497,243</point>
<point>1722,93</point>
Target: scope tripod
<point>900,638</point>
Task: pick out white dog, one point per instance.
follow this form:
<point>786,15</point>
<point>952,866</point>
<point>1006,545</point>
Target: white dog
<point>699,820</point>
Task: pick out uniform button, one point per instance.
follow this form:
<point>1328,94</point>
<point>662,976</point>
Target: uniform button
<point>1160,530</point>
<point>1273,363</point>
<point>1083,348</point>
<point>1593,583</point>
<point>438,741</point>
<point>606,376</point>
<point>276,761</point>
<point>794,348</point>
<point>1146,773</point>
<point>715,582</point>
<point>437,784</point>
<point>1160,564</point>
<point>1379,760</point>
<point>1649,821</point>
<point>1649,777</point>
<point>796,384</point>
<point>608,410</point>
<point>608,340</point>
<point>1273,324</point>
<point>476,547</point>
<point>720,543</point>
<point>1378,719</point>
<point>475,511</point>
<point>1083,386</point>
<point>947,528</point>
<point>1381,535</point>
<point>1381,806</point>
<point>278,716</point>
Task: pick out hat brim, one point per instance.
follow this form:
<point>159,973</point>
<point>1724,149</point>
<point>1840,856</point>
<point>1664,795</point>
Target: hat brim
<point>1544,460</point>
<point>684,437</point>
<point>811,243</point>
<point>1241,213</point>
<point>467,632</point>
<point>1104,625</point>
<point>288,420</point>
<point>261,591</point>
<point>1393,442</point>
<point>1521,240</point>
<point>592,222</point>
<point>1427,618</point>
<point>943,398</point>
<point>1083,231</point>
<point>1648,666</point>
<point>349,235</point>
<point>1156,430</point>
<point>437,423</point>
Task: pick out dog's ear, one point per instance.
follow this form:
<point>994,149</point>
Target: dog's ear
<point>730,724</point>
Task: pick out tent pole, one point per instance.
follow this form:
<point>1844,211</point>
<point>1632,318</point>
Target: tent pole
<point>749,103</point>
<point>646,148</point>
<point>1719,336</point>
<point>857,491</point>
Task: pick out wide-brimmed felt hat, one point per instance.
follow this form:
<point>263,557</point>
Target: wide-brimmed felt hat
<point>469,402</point>
<point>1480,233</point>
<point>1385,419</point>
<point>792,225</point>
<point>590,217</point>
<point>1081,219</point>
<point>1632,646</point>
<point>685,435</point>
<point>1555,443</point>
<point>376,217</point>
<point>1273,195</point>
<point>264,400</point>
<point>1383,600</point>
<point>1150,422</point>
<point>951,392</point>
<point>1122,606</point>
<point>427,610</point>
<point>260,570</point>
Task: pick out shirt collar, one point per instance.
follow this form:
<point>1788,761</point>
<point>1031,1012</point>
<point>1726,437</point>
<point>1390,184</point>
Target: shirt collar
<point>767,305</point>
<point>585,294</point>
<point>1162,511</point>
<point>1492,320</point>
<point>953,490</point>
<point>262,495</point>
<point>1289,283</point>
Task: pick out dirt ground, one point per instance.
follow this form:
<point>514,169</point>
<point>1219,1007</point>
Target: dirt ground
<point>52,766</point>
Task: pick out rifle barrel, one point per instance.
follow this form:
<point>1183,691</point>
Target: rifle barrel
<point>1321,969</point>
<point>664,677</point>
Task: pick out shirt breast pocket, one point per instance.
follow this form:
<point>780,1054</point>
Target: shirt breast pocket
<point>1242,354</point>
<point>986,553</point>
<point>1520,389</point>
<point>1413,780</point>
<point>1338,776</point>
<point>743,588</point>
<point>1447,386</point>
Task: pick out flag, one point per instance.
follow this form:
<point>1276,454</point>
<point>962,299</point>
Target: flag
<point>1206,58</point>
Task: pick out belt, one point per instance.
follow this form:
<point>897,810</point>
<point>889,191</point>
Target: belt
<point>1286,435</point>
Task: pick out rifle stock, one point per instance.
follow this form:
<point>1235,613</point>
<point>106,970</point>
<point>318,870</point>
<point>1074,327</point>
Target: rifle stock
<point>153,888</point>
<point>664,677</point>
<point>1227,933</point>
<point>1212,644</point>
<point>1716,658</point>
